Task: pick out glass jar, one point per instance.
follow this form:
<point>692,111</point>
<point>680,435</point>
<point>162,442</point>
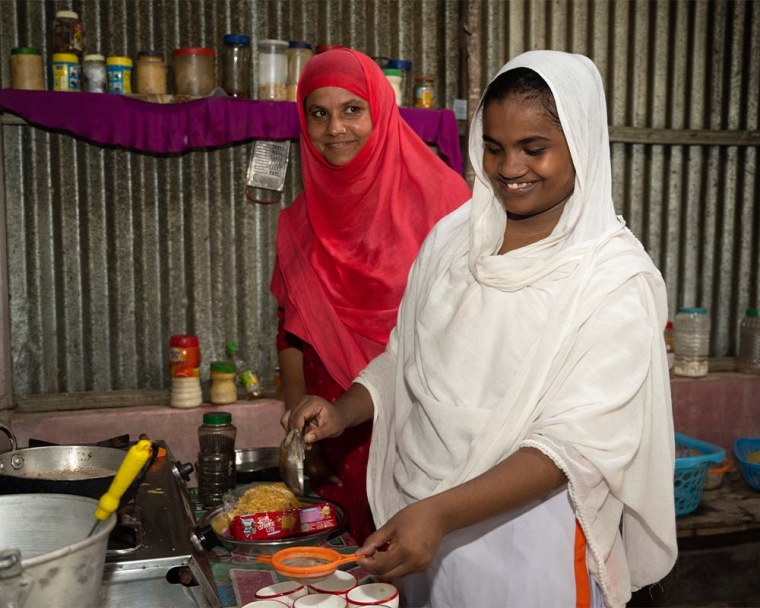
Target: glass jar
<point>65,71</point>
<point>273,70</point>
<point>27,72</point>
<point>406,79</point>
<point>223,389</point>
<point>119,71</point>
<point>151,73</point>
<point>216,457</point>
<point>424,92</point>
<point>236,65</point>
<point>394,77</point>
<point>68,34</point>
<point>94,75</point>
<point>298,55</point>
<point>194,71</point>
<point>748,359</point>
<point>184,356</point>
<point>692,342</point>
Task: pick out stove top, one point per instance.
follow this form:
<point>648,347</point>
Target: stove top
<point>154,557</point>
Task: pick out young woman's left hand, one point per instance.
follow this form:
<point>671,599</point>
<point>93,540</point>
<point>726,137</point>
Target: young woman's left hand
<point>414,534</point>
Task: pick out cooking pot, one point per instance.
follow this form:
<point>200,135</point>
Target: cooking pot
<point>46,555</point>
<point>63,469</point>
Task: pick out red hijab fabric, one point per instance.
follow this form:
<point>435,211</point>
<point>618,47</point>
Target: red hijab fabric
<point>345,245</point>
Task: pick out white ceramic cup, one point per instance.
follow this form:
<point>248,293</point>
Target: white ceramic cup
<point>266,604</point>
<point>374,594</point>
<point>339,582</point>
<point>321,600</point>
<point>286,592</point>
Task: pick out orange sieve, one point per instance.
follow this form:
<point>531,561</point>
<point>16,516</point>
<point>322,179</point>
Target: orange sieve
<point>307,564</point>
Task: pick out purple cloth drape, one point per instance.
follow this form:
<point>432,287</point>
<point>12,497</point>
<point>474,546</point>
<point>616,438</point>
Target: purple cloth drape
<point>210,122</point>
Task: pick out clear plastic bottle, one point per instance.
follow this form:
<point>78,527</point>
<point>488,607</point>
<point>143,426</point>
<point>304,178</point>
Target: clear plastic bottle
<point>748,359</point>
<point>216,458</point>
<point>248,379</point>
<point>692,342</point>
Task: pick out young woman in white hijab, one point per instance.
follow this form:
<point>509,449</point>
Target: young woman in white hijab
<point>523,449</point>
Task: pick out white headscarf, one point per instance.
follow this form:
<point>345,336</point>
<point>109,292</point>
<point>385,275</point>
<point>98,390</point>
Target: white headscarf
<point>591,391</point>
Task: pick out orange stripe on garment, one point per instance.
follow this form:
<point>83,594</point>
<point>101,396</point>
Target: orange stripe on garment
<point>582,586</point>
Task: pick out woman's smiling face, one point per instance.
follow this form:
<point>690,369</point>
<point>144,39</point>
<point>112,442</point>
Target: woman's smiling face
<point>526,157</point>
<point>338,123</point>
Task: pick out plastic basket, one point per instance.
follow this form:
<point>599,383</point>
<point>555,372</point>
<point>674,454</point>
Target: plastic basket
<point>750,470</point>
<point>693,459</point>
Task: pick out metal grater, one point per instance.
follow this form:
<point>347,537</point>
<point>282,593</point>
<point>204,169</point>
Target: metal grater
<point>269,164</point>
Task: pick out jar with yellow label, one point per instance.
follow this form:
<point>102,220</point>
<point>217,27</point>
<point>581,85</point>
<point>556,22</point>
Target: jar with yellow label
<point>424,92</point>
<point>65,72</point>
<point>223,389</point>
<point>119,75</point>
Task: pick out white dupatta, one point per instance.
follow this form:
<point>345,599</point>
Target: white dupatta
<point>592,391</point>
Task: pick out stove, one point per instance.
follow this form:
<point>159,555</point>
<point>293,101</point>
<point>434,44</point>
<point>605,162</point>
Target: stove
<point>154,556</point>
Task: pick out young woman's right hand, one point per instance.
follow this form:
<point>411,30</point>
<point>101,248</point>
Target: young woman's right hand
<point>325,420</point>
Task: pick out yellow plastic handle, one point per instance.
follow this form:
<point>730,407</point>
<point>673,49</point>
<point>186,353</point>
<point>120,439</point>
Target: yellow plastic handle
<point>132,464</point>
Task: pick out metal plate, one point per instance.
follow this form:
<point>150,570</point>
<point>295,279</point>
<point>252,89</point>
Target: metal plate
<point>268,547</point>
<point>256,459</point>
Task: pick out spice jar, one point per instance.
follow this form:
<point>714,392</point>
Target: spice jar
<point>68,33</point>
<point>692,342</point>
<point>216,457</point>
<point>184,356</point>
<point>94,74</point>
<point>151,73</point>
<point>273,68</point>
<point>223,389</point>
<point>119,75</point>
<point>394,77</point>
<point>194,71</point>
<point>65,72</point>
<point>236,65</point>
<point>298,55</point>
<point>424,93</point>
<point>26,69</point>
<point>406,79</point>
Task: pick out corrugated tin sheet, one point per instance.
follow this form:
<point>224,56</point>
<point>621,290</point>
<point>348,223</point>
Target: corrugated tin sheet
<point>110,252</point>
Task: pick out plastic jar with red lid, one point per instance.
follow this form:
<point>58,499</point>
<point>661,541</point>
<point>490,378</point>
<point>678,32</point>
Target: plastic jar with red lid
<point>184,356</point>
<point>194,71</point>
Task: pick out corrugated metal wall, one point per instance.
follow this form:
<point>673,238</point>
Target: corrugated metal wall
<point>110,251</point>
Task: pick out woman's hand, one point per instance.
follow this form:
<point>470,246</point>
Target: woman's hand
<point>414,534</point>
<point>317,469</point>
<point>321,418</point>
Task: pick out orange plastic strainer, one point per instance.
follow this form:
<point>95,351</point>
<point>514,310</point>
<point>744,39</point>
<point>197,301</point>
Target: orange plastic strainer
<point>307,564</point>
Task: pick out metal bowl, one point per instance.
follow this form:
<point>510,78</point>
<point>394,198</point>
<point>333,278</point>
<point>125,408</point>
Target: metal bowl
<point>268,547</point>
<point>257,464</point>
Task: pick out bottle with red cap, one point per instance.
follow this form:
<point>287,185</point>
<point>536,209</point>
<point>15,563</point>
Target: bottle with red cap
<point>185,364</point>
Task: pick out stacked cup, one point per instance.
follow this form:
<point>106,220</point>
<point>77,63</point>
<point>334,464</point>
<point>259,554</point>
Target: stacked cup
<point>185,364</point>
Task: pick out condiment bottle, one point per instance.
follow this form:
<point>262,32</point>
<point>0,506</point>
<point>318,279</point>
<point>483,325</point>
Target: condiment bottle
<point>394,77</point>
<point>66,72</point>
<point>194,71</point>
<point>68,34</point>
<point>185,363</point>
<point>151,73</point>
<point>223,388</point>
<point>748,360</point>
<point>27,72</point>
<point>236,65</point>
<point>119,71</point>
<point>273,69</point>
<point>248,379</point>
<point>692,342</point>
<point>298,54</point>
<point>94,74</point>
<point>424,94</point>
<point>406,79</point>
<point>216,457</point>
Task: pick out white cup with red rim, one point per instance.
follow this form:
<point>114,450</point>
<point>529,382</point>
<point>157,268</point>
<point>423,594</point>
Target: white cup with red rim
<point>339,582</point>
<point>373,594</point>
<point>266,604</point>
<point>321,600</point>
<point>286,592</point>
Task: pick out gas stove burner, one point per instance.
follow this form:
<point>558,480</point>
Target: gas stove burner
<point>152,559</point>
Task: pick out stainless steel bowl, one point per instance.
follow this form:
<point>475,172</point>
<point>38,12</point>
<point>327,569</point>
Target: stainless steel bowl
<point>257,465</point>
<point>268,547</point>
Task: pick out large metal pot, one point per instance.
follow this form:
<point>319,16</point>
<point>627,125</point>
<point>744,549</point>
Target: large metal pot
<point>46,557</point>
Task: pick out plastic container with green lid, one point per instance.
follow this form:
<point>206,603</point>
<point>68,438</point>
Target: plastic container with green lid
<point>27,72</point>
<point>216,457</point>
<point>394,76</point>
<point>223,389</point>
